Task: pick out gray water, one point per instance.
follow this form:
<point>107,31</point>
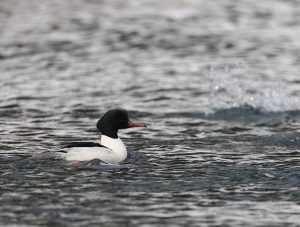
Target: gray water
<point>217,83</point>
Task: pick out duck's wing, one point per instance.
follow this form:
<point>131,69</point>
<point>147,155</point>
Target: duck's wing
<point>82,144</point>
<point>61,151</point>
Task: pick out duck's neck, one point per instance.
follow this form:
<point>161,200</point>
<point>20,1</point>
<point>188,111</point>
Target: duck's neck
<point>116,145</point>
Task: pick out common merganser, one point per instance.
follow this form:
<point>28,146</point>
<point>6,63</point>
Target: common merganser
<point>110,149</point>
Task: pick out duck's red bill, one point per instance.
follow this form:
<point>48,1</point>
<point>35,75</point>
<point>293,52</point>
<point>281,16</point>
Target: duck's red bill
<point>133,124</point>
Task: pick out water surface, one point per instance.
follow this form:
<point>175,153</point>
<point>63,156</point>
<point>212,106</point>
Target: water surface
<point>216,82</point>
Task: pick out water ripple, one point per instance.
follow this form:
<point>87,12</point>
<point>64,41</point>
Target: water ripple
<point>221,104</point>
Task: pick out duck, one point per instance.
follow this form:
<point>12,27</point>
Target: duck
<point>110,149</point>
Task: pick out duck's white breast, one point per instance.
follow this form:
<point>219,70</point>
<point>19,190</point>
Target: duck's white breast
<point>114,151</point>
<point>89,153</point>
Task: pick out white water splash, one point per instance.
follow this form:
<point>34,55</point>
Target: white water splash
<point>232,85</point>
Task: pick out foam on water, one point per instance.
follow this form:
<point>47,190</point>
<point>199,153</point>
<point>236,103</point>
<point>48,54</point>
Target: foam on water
<point>230,86</point>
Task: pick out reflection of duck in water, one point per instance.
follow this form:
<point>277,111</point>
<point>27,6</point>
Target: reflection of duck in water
<point>111,149</point>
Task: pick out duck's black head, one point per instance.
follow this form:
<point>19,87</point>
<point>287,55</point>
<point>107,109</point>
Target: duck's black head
<point>114,120</point>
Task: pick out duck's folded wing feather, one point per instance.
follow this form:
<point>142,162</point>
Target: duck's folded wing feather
<point>82,144</point>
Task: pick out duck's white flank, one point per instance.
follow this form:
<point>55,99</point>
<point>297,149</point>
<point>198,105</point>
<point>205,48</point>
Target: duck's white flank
<point>114,153</point>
